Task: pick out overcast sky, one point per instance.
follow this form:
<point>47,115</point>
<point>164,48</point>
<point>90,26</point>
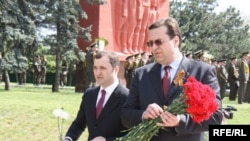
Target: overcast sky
<point>241,5</point>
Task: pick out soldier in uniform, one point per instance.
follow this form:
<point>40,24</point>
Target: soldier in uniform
<point>199,55</point>
<point>233,76</point>
<point>136,61</point>
<point>243,76</point>
<point>144,59</point>
<point>128,67</point>
<point>22,77</point>
<point>151,59</point>
<point>189,55</point>
<point>36,70</point>
<point>89,63</point>
<point>1,73</point>
<point>1,76</point>
<point>222,77</point>
<point>43,69</point>
<point>247,94</point>
<point>64,72</point>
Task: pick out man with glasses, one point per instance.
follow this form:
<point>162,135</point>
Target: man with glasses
<point>147,97</point>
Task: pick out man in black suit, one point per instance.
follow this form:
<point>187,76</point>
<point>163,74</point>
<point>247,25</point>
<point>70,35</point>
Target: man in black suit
<point>107,126</point>
<point>146,97</point>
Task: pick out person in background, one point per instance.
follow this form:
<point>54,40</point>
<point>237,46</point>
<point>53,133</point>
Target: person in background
<point>199,55</point>
<point>232,79</point>
<point>243,76</point>
<point>89,62</point>
<point>247,94</point>
<point>189,55</point>
<point>136,61</point>
<point>222,76</point>
<point>146,96</point>
<point>22,76</point>
<point>64,71</point>
<point>1,76</point>
<point>107,126</point>
<point>151,59</point>
<point>43,69</point>
<point>36,70</point>
<point>128,67</point>
<point>1,71</point>
<point>144,59</point>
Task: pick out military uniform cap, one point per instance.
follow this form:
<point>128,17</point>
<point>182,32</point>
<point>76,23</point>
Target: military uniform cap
<point>188,53</point>
<point>138,54</point>
<point>245,53</point>
<point>127,58</point>
<point>213,60</point>
<point>222,60</point>
<point>234,57</point>
<point>92,45</point>
<point>198,53</point>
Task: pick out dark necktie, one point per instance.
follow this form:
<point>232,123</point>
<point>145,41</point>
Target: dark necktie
<point>166,80</point>
<point>100,104</point>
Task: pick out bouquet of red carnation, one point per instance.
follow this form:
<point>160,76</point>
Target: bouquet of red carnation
<point>197,99</point>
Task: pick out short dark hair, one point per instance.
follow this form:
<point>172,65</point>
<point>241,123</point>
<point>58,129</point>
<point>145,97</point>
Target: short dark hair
<point>172,26</point>
<point>113,57</point>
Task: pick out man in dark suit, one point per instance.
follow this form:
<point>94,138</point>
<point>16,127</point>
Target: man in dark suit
<point>146,97</point>
<point>107,126</point>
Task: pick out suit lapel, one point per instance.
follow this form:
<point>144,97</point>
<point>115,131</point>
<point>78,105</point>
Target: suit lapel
<point>92,102</point>
<point>112,102</point>
<point>155,77</point>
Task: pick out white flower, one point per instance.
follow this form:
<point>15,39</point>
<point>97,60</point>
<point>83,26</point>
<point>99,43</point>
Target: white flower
<point>61,114</point>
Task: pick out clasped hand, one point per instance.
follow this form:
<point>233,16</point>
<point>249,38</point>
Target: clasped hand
<point>168,119</point>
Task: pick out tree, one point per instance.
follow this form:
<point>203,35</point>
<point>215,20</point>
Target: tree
<point>62,16</point>
<point>221,34</point>
<point>17,38</point>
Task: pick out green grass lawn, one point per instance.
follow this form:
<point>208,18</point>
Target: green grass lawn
<point>26,112</point>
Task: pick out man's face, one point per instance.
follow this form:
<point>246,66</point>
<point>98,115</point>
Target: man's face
<point>166,50</point>
<point>94,48</point>
<point>103,71</point>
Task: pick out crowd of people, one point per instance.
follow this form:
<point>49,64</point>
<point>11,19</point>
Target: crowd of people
<point>38,69</point>
<point>232,74</point>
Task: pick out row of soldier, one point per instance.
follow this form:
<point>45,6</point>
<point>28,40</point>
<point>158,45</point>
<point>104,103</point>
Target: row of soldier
<point>236,74</point>
<point>233,73</point>
<point>39,69</point>
<point>133,62</point>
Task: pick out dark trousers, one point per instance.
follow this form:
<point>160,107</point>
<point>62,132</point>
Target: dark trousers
<point>247,93</point>
<point>233,90</point>
<point>242,91</point>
